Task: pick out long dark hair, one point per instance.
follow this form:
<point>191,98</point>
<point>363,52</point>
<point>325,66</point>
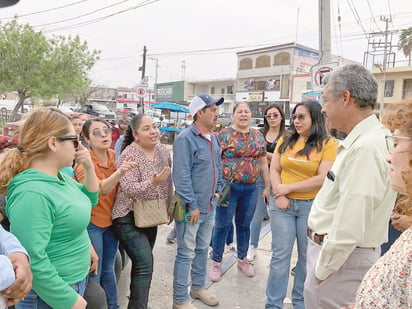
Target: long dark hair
<point>131,128</point>
<point>265,128</point>
<point>317,133</point>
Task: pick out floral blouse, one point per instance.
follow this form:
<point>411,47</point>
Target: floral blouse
<point>136,184</point>
<point>388,284</point>
<point>233,147</point>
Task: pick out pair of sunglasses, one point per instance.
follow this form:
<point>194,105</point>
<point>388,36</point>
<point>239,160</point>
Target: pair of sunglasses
<point>72,138</point>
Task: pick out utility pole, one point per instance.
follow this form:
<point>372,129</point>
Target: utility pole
<point>324,31</point>
<point>143,76</point>
<point>157,70</point>
<point>144,62</point>
<point>387,20</point>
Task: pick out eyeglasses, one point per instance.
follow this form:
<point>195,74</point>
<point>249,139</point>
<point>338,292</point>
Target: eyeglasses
<point>392,142</point>
<point>300,117</point>
<point>270,116</point>
<point>72,138</point>
<point>104,132</point>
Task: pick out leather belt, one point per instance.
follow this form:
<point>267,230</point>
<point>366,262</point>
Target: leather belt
<point>316,237</point>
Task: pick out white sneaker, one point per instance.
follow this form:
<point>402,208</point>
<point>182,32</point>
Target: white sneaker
<point>231,247</point>
<point>251,253</point>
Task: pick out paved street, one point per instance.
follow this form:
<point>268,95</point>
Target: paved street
<point>234,289</point>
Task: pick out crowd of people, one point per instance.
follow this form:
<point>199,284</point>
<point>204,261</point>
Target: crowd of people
<point>71,201</point>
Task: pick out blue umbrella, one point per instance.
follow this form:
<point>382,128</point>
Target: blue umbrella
<point>174,107</point>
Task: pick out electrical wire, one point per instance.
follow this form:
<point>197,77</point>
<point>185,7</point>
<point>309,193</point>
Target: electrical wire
<point>373,17</point>
<point>95,20</point>
<point>80,16</point>
<point>44,11</point>
<point>356,15</point>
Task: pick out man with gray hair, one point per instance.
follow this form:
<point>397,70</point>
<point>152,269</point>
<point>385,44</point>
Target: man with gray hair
<point>349,217</point>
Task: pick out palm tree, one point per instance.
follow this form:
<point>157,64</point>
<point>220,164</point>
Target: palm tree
<point>405,43</point>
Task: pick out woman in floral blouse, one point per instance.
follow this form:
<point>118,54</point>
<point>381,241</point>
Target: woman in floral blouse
<point>150,180</point>
<point>244,158</point>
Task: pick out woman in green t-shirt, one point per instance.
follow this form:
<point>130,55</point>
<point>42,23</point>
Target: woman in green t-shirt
<point>49,211</point>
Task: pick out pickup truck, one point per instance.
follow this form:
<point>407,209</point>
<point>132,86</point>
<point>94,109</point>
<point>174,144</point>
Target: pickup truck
<point>100,111</point>
<point>8,105</point>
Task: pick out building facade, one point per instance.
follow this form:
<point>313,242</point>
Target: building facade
<point>264,75</point>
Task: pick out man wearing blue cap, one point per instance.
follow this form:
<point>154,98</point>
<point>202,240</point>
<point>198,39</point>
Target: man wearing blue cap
<point>197,175</point>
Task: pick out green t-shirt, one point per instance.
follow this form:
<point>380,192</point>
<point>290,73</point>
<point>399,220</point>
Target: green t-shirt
<point>49,216</point>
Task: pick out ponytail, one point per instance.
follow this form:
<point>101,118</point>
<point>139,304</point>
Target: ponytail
<point>15,161</point>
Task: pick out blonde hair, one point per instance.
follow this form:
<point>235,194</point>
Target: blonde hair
<point>399,116</point>
<point>37,128</point>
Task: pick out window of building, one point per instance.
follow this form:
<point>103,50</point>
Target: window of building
<point>262,61</point>
<point>282,59</point>
<point>407,88</point>
<point>212,90</point>
<point>246,64</point>
<point>389,85</point>
<point>222,90</point>
<point>229,89</point>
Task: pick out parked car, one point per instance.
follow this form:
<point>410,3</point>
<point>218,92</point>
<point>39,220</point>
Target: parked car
<point>100,111</point>
<point>225,119</point>
<point>11,129</point>
<point>256,123</point>
<point>8,106</point>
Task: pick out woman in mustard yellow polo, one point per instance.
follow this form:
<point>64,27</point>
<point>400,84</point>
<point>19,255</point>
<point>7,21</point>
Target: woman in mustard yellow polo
<point>299,165</point>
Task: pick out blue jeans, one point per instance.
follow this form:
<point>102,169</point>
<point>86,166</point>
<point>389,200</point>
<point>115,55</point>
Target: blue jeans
<point>260,213</point>
<point>33,301</point>
<point>105,244</point>
<point>287,225</point>
<point>242,205</point>
<point>191,256</point>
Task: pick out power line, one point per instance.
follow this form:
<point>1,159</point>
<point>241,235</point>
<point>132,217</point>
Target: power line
<point>356,15</point>
<point>95,20</point>
<point>44,11</point>
<point>373,17</point>
<point>83,15</point>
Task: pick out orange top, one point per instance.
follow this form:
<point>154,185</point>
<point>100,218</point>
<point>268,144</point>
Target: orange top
<point>102,212</point>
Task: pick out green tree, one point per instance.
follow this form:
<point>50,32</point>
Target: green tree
<point>36,66</point>
<point>405,43</point>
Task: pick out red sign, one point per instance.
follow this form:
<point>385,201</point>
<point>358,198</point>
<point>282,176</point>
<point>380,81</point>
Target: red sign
<point>141,92</point>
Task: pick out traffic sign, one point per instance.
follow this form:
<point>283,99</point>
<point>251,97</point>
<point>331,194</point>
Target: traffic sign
<point>319,71</point>
<point>141,92</point>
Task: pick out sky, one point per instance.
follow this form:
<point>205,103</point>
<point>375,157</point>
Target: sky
<point>202,36</point>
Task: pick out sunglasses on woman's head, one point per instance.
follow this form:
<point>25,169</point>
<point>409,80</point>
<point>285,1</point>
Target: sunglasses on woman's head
<point>72,138</point>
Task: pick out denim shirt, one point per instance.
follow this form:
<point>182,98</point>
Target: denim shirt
<point>197,169</point>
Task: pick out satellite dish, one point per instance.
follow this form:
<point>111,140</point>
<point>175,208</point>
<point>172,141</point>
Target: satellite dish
<point>5,3</point>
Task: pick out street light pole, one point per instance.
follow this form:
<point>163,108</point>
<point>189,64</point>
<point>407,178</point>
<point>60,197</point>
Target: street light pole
<point>157,70</point>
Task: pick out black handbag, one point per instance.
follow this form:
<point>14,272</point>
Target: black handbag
<point>225,195</point>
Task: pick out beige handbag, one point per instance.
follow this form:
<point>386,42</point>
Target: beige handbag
<point>150,213</point>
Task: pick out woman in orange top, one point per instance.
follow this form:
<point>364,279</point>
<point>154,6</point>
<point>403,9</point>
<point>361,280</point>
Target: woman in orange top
<point>97,134</point>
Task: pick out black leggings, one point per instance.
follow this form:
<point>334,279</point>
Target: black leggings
<point>138,244</point>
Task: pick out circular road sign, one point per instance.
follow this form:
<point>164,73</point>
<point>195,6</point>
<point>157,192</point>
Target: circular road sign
<point>141,92</point>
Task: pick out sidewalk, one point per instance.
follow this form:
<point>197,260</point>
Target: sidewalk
<point>234,290</point>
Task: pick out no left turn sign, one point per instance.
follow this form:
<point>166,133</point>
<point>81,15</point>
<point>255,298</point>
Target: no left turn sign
<point>319,72</point>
